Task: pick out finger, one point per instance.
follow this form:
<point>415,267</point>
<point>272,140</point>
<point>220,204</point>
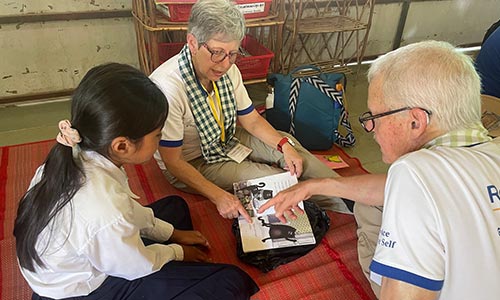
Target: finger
<point>245,214</point>
<point>205,258</point>
<point>297,209</point>
<point>201,256</point>
<point>281,217</point>
<point>233,215</point>
<point>203,240</point>
<point>235,212</point>
<point>290,166</point>
<point>226,213</point>
<point>202,243</point>
<point>267,205</point>
<point>290,214</point>
<point>298,168</point>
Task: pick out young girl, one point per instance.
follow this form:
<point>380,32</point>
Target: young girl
<point>79,232</point>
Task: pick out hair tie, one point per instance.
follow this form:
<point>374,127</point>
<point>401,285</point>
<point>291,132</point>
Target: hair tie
<point>68,136</point>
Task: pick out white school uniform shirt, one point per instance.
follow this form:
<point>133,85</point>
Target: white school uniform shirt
<point>441,222</point>
<point>180,127</point>
<point>99,234</point>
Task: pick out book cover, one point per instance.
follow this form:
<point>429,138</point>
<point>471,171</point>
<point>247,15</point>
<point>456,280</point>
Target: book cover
<point>266,231</point>
<point>332,161</point>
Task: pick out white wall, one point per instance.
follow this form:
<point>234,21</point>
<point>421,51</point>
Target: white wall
<point>15,7</point>
<point>43,57</point>
<point>457,21</point>
<point>460,22</point>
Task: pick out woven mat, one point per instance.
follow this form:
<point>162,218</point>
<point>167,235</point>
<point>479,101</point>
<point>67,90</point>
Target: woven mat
<point>330,271</point>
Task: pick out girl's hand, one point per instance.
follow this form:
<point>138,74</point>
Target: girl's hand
<point>189,237</point>
<point>193,253</point>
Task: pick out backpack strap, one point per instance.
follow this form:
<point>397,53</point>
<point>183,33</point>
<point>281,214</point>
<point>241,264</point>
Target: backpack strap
<point>292,103</point>
<point>345,141</point>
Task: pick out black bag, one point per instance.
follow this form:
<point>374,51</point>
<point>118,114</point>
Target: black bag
<point>308,103</point>
<point>267,260</point>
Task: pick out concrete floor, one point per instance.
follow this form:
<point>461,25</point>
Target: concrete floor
<point>36,121</point>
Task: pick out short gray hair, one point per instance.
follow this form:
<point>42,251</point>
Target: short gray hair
<point>435,76</point>
<point>216,17</point>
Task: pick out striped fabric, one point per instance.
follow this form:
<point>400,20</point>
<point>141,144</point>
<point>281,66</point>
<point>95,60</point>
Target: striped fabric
<point>463,137</point>
<point>329,272</point>
<point>345,141</point>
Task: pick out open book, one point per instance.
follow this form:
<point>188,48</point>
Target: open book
<point>266,231</point>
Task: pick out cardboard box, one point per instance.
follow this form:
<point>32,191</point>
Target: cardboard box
<point>491,114</point>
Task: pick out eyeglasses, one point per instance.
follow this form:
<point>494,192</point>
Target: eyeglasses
<point>367,119</point>
<point>218,55</point>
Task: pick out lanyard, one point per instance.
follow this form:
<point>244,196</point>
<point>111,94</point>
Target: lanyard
<point>218,117</point>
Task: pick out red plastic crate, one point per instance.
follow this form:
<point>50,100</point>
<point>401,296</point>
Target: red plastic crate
<point>253,66</point>
<point>167,50</point>
<point>179,10</point>
<point>257,64</point>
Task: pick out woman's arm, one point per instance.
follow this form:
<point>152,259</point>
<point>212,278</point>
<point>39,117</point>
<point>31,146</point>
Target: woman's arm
<point>227,204</point>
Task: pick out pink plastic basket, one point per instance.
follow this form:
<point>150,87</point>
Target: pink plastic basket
<point>167,50</point>
<point>256,65</point>
<point>179,10</point>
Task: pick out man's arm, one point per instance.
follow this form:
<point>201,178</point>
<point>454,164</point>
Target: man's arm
<point>399,290</point>
<point>227,204</point>
<point>367,189</point>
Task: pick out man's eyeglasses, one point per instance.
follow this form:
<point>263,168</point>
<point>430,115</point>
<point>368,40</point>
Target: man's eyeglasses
<point>218,55</point>
<point>367,119</point>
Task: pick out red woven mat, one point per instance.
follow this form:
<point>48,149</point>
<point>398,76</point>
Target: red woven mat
<point>330,271</point>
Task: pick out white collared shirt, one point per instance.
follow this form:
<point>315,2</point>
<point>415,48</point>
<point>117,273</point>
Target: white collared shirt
<point>98,233</point>
<point>440,228</point>
<point>180,127</point>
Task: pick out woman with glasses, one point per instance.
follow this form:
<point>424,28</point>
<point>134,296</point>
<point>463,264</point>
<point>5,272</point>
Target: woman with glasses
<point>215,136</point>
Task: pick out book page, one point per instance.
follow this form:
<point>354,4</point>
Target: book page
<point>266,231</point>
<point>260,190</point>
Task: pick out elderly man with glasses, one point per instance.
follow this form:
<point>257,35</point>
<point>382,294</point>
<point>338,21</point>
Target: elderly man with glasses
<point>438,234</point>
<point>213,136</point>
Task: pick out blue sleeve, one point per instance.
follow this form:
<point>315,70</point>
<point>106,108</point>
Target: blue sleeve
<point>246,111</point>
<point>171,144</point>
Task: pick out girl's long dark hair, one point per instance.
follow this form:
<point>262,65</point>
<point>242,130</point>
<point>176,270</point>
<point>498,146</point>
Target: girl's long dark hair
<point>112,100</point>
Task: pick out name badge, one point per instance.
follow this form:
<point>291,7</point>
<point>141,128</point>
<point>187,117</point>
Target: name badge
<point>239,152</point>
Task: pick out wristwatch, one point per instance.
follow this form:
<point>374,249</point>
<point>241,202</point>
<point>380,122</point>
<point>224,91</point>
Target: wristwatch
<point>282,142</point>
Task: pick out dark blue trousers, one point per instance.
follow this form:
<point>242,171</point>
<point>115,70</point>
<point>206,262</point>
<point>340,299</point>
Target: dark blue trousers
<point>177,280</point>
